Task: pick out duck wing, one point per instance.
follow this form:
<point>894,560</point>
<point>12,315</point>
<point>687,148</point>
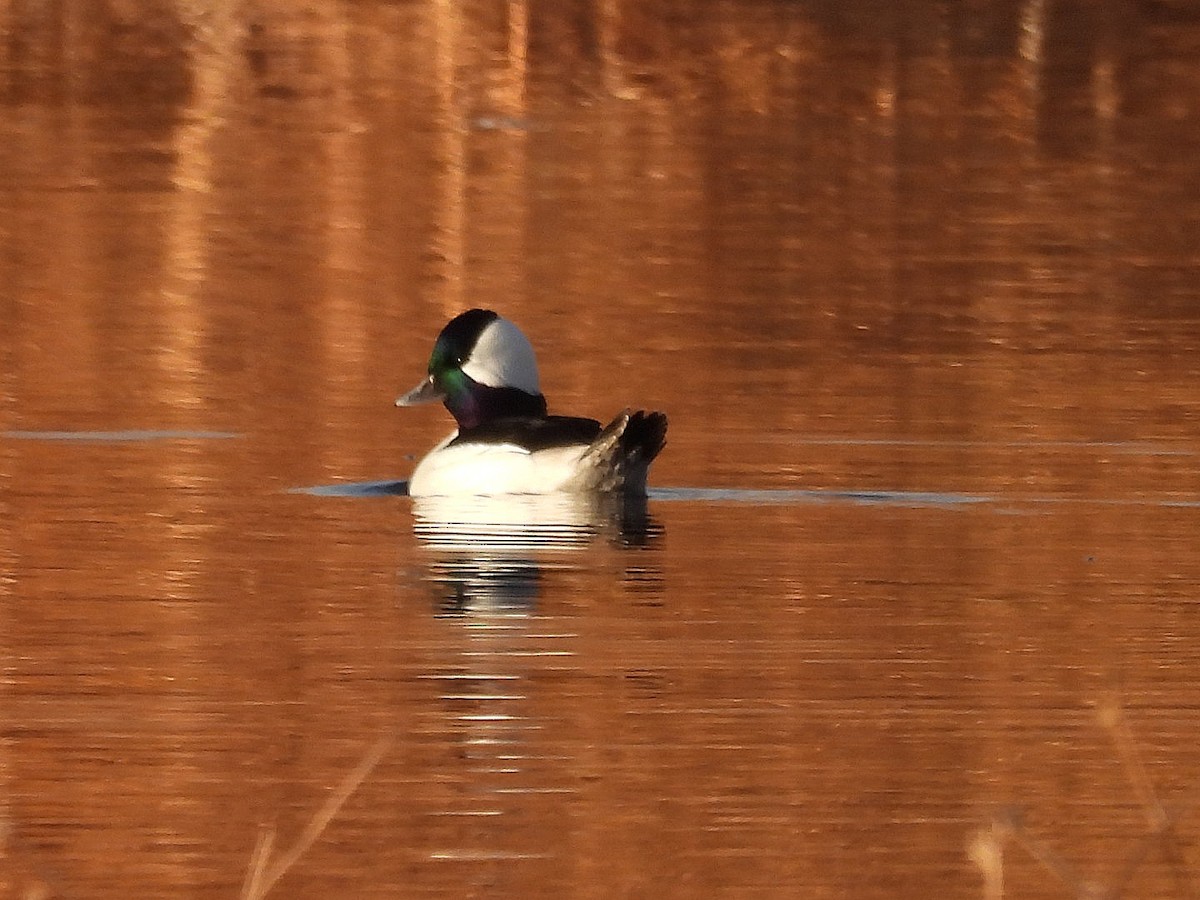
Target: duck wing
<point>532,433</point>
<point>619,458</point>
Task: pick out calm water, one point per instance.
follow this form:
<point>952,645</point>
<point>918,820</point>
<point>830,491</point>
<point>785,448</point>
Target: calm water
<point>918,288</point>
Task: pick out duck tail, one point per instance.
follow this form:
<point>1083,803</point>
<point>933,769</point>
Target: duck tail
<point>645,435</point>
<point>621,454</point>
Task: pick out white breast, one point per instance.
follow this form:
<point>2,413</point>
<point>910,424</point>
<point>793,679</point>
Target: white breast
<point>490,469</point>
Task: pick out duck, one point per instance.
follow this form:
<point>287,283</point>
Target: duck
<point>484,371</point>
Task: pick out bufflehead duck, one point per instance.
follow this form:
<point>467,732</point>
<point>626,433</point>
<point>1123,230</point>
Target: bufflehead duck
<point>483,370</point>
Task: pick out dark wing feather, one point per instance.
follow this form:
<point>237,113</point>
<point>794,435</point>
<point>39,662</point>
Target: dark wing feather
<point>531,432</point>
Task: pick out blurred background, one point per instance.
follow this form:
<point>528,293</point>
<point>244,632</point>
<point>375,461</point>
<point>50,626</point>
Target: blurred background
<point>917,285</point>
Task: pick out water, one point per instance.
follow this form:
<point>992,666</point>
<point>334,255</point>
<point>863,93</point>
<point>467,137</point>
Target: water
<point>917,289</point>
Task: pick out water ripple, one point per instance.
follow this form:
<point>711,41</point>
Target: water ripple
<point>768,496</point>
<point>355,489</point>
<point>773,496</point>
<point>118,436</point>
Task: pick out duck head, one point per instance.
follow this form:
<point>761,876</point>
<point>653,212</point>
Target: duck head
<point>482,368</point>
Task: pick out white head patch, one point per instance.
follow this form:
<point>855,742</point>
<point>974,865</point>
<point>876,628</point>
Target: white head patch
<point>503,357</point>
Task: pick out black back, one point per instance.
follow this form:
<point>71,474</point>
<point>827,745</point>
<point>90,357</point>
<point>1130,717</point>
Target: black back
<point>531,432</point>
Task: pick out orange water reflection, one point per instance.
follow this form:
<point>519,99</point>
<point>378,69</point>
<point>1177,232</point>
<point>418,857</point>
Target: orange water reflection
<point>937,249</point>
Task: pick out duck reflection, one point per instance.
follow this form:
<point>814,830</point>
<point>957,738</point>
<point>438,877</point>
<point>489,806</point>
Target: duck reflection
<point>488,561</point>
<point>489,554</point>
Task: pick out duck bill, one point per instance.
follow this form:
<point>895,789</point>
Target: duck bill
<point>425,392</point>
